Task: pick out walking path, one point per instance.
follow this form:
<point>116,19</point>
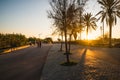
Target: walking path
<point>93,64</point>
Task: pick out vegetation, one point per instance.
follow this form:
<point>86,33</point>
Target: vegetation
<point>48,40</point>
<point>70,19</point>
<point>110,11</point>
<point>32,40</point>
<point>65,15</point>
<point>8,41</point>
<point>12,40</point>
<point>89,22</point>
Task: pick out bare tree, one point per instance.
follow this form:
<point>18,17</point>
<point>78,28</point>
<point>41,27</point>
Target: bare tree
<point>59,14</point>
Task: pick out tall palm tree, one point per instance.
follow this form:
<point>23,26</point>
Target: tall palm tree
<point>89,22</point>
<point>81,4</point>
<point>110,11</point>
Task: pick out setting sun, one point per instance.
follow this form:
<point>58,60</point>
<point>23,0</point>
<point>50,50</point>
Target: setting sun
<point>90,37</point>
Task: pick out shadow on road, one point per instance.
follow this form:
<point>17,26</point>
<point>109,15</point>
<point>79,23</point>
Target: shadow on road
<point>82,64</point>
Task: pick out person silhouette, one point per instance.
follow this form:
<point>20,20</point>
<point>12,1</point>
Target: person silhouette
<point>39,43</point>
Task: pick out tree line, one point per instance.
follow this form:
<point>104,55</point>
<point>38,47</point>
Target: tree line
<point>16,40</point>
<point>12,40</point>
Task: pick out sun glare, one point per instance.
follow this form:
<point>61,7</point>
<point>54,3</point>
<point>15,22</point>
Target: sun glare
<point>90,37</point>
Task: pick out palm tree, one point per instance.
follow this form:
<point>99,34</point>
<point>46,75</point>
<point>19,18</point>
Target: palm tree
<point>89,22</point>
<point>81,4</point>
<point>110,11</point>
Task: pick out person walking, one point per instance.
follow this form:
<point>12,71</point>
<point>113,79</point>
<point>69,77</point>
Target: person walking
<point>39,43</point>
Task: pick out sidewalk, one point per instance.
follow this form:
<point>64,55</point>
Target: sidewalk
<point>92,64</point>
<point>16,48</point>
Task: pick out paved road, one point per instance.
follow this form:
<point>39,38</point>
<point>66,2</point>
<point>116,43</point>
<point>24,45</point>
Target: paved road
<point>26,64</point>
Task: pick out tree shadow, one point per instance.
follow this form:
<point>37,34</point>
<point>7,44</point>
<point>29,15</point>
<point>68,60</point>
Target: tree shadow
<point>82,60</point>
<point>82,64</point>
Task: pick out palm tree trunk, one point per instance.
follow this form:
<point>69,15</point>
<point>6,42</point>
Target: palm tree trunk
<point>110,36</point>
<point>103,31</point>
<point>87,35</point>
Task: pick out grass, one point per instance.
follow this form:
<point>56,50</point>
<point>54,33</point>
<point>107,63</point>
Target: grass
<point>71,63</point>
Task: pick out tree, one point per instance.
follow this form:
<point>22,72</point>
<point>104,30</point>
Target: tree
<point>58,14</point>
<point>59,31</point>
<point>72,28</point>
<point>32,40</point>
<point>89,23</point>
<point>12,40</point>
<point>48,40</point>
<point>63,13</point>
<point>110,11</point>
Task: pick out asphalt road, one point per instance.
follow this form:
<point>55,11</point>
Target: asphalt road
<point>25,64</point>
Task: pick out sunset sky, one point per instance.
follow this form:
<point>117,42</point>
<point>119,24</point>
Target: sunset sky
<point>29,17</point>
